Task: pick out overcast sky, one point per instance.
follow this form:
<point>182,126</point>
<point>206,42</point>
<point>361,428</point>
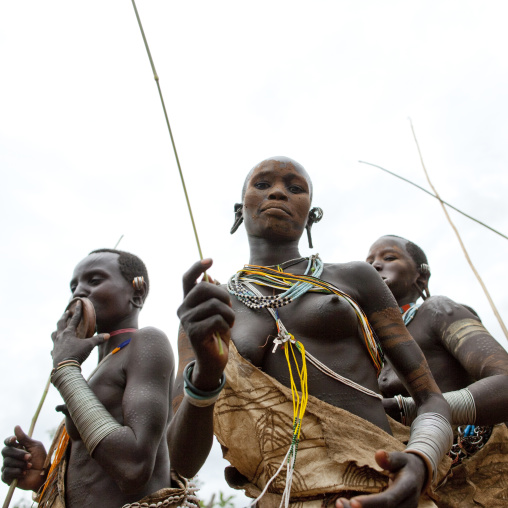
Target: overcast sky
<point>85,155</point>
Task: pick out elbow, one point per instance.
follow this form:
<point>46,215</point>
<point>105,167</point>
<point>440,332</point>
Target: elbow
<point>134,477</point>
<point>185,470</point>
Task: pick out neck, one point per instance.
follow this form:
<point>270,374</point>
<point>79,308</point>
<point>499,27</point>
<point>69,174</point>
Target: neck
<point>412,298</point>
<point>264,252</point>
<point>116,339</point>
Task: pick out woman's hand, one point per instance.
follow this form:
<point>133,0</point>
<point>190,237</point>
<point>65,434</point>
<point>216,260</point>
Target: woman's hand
<point>206,314</point>
<point>407,478</point>
<point>392,408</point>
<point>23,461</point>
<point>67,345</point>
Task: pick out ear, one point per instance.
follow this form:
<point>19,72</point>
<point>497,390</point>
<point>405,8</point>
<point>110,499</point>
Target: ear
<point>139,294</point>
<point>315,215</point>
<point>238,217</point>
<point>422,282</point>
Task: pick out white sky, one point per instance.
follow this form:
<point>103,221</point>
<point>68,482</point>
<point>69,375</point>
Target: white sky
<point>85,156</point>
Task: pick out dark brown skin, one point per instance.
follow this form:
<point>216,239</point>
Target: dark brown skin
<point>275,210</point>
<point>478,362</point>
<point>134,385</point>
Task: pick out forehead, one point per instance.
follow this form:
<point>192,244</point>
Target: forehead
<point>390,243</point>
<point>273,166</point>
<point>101,261</point>
<point>278,165</point>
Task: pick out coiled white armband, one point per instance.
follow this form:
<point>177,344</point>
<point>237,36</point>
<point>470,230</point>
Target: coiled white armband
<point>461,403</point>
<point>90,417</point>
<point>431,437</point>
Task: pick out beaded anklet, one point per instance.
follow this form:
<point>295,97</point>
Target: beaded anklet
<point>195,396</point>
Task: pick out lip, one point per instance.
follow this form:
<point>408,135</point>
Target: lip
<point>276,207</point>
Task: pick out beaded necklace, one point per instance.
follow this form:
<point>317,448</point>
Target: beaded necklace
<point>241,285</point>
<point>409,312</point>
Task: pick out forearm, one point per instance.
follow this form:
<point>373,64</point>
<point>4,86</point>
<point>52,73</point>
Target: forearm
<point>190,438</point>
<point>482,403</point>
<point>491,399</point>
<point>121,452</point>
<point>190,434</point>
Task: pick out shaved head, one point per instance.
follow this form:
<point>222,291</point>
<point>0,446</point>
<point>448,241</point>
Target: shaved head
<point>284,161</point>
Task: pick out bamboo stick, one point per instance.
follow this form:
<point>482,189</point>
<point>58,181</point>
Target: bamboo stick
<point>14,484</point>
<point>475,271</point>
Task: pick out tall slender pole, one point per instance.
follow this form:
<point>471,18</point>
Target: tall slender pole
<point>475,271</point>
<point>14,484</point>
<point>434,196</point>
<point>156,77</point>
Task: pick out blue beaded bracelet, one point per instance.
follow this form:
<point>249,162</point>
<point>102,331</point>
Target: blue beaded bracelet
<point>196,393</point>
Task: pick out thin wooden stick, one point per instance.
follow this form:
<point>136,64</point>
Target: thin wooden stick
<point>496,313</point>
<point>156,77</point>
<point>434,196</point>
<point>119,240</point>
<point>14,484</point>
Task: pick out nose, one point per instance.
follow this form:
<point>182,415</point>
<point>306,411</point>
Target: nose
<point>377,265</point>
<point>80,291</point>
<point>278,192</point>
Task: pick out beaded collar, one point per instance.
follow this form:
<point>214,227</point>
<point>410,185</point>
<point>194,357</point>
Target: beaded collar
<point>406,307</point>
<point>409,312</point>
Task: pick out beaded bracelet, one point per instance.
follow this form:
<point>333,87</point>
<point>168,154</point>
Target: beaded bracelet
<point>70,361</point>
<point>197,397</point>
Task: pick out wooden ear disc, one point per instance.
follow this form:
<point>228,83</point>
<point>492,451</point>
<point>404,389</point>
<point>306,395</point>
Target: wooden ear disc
<point>86,326</point>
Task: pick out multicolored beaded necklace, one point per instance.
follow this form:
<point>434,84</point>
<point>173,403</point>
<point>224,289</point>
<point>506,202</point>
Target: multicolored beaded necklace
<point>409,312</point>
<point>241,285</point>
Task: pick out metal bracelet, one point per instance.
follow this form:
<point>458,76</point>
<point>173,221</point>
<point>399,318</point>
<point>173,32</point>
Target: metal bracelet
<point>199,402</point>
<point>197,394</point>
<point>409,410</point>
<point>463,407</point>
<point>91,418</point>
<point>431,438</point>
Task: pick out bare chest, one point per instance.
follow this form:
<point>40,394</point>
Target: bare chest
<point>319,321</point>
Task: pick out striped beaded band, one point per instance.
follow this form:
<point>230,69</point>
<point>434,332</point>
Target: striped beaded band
<point>431,437</point>
<point>195,396</point>
<point>91,418</point>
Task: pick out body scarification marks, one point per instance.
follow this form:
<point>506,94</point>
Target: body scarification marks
<point>459,331</point>
<point>392,334</point>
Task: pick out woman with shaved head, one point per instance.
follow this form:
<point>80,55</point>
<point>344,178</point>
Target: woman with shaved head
<point>470,368</point>
<point>300,417</point>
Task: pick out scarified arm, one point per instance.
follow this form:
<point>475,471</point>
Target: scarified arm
<point>483,358</point>
<point>410,472</point>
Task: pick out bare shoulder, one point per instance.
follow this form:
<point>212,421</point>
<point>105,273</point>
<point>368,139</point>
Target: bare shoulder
<point>442,311</point>
<point>357,272</point>
<point>362,282</point>
<point>152,344</point>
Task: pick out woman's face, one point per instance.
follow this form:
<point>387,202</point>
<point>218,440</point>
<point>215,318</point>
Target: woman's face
<point>397,268</point>
<point>277,201</point>
<point>98,278</point>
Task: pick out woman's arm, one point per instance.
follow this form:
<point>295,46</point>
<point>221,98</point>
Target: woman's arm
<point>484,359</point>
<point>205,313</point>
<point>409,471</point>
